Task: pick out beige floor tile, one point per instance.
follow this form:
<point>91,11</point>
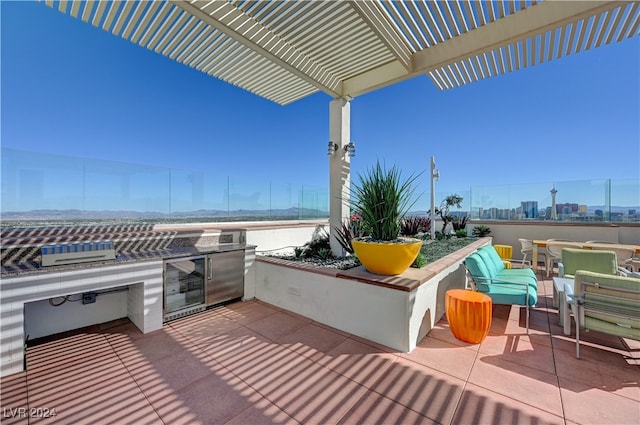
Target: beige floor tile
<point>213,323</point>
<point>424,390</point>
<point>358,361</point>
<point>171,374</point>
<point>67,353</point>
<point>262,413</point>
<point>312,341</point>
<point>215,399</point>
<point>520,349</point>
<point>247,312</point>
<point>444,357</point>
<point>278,325</point>
<point>284,368</point>
<point>587,404</point>
<point>606,371</point>
<point>152,347</point>
<point>481,406</point>
<point>13,397</point>
<point>316,396</point>
<point>530,386</point>
<point>442,332</point>
<point>373,408</point>
<point>107,395</point>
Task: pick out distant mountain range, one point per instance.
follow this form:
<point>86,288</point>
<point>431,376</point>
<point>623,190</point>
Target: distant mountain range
<point>293,212</point>
<point>617,209</point>
<point>75,214</point>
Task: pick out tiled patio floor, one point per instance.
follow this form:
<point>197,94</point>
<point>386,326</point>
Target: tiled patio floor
<point>251,363</point>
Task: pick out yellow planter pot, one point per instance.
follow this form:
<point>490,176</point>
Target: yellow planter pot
<point>387,258</point>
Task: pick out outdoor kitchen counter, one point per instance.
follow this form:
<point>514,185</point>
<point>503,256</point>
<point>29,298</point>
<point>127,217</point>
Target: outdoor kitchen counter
<point>33,267</point>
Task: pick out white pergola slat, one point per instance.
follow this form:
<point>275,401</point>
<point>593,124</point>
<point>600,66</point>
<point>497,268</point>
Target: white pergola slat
<point>286,50</point>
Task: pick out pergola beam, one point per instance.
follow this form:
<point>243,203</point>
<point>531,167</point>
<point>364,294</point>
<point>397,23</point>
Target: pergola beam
<point>230,21</point>
<point>377,22</point>
<point>537,19</point>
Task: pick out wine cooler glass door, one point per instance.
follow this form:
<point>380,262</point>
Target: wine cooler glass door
<point>183,283</point>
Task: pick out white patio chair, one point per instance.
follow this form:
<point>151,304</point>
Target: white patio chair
<point>526,248</point>
<point>554,252</point>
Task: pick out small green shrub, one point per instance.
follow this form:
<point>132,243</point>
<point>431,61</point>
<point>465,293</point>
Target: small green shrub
<point>319,240</point>
<point>419,262</point>
<point>462,233</point>
<point>297,251</point>
<point>481,231</point>
<point>324,253</point>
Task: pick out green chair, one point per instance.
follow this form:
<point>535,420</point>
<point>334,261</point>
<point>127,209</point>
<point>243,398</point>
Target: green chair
<point>487,274</point>
<point>604,303</point>
<point>574,259</point>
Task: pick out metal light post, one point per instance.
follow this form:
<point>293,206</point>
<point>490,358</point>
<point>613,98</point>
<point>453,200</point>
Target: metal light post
<point>435,175</point>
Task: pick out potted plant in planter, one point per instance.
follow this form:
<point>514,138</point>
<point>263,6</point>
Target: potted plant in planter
<point>381,200</point>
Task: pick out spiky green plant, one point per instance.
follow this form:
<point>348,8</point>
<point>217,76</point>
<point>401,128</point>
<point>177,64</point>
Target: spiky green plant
<point>381,199</point>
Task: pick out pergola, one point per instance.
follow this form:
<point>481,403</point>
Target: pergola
<point>286,50</point>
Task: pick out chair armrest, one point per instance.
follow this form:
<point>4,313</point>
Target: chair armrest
<point>519,263</point>
<point>492,281</point>
<point>627,273</point>
<point>567,308</point>
<point>568,293</point>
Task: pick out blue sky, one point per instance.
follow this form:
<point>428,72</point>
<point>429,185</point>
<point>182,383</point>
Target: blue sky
<point>71,89</point>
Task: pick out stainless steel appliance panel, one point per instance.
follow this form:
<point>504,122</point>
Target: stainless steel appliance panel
<point>225,276</point>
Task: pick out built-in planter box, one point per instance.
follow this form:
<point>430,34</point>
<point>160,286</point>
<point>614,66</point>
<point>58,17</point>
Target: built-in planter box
<point>396,311</point>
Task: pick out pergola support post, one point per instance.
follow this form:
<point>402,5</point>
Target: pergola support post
<point>339,168</point>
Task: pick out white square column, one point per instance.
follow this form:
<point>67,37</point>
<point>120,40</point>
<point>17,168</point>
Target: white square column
<point>339,168</point>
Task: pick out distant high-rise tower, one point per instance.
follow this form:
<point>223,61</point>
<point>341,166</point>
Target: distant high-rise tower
<point>529,209</point>
<point>554,213</point>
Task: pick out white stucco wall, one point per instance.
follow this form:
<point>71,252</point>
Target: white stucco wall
<point>42,319</point>
<point>508,233</point>
<point>143,304</point>
<point>372,312</point>
<point>282,238</point>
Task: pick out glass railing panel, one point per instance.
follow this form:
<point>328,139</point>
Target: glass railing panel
<point>56,187</point>
<point>123,190</point>
<point>625,200</point>
<point>420,202</point>
<point>197,195</point>
<point>581,200</point>
<point>248,200</point>
<point>37,182</point>
<point>531,201</point>
<point>188,192</point>
<point>465,205</point>
<point>491,202</point>
<point>283,200</point>
<point>314,203</point>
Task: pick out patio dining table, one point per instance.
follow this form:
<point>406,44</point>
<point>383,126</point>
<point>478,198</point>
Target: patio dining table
<point>539,243</point>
